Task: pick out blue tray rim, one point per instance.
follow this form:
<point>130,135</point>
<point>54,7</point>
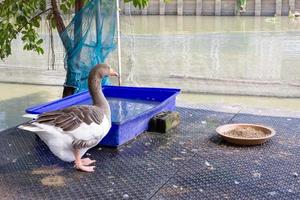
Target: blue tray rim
<point>31,110</point>
<point>176,91</point>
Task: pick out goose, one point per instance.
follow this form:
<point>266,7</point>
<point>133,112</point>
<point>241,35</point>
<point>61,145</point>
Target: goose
<point>71,131</point>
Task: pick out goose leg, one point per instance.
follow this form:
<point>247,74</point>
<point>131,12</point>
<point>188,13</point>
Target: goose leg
<point>80,163</point>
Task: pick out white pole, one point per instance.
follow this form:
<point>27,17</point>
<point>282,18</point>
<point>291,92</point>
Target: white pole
<point>119,42</point>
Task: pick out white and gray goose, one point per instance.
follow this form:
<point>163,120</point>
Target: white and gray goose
<point>70,132</point>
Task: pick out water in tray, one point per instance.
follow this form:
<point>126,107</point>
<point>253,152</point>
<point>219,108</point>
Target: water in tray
<point>122,109</point>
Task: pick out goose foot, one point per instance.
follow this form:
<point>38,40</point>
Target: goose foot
<point>85,168</point>
<point>87,161</point>
<point>81,164</point>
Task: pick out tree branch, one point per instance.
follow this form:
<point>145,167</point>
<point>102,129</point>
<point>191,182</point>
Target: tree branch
<point>78,5</point>
<point>19,29</point>
<point>60,25</point>
<point>57,17</point>
<point>33,18</point>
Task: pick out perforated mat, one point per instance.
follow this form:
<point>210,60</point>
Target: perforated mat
<point>190,162</point>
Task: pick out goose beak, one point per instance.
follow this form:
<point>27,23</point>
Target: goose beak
<point>113,72</point>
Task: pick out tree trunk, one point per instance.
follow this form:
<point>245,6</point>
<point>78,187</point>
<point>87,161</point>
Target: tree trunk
<point>61,28</point>
<point>78,5</point>
<point>78,27</point>
<point>58,19</point>
<point>68,91</point>
<point>78,23</point>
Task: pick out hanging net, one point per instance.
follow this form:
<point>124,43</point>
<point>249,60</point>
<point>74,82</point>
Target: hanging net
<point>88,40</point>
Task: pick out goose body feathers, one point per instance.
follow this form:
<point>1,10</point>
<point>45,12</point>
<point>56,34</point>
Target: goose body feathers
<point>78,127</point>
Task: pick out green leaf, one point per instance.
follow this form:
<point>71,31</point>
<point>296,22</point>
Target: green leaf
<point>52,23</point>
<point>64,7</point>
<point>40,41</point>
<point>24,37</point>
<point>39,50</point>
<point>36,23</point>
<point>25,47</point>
<point>139,3</point>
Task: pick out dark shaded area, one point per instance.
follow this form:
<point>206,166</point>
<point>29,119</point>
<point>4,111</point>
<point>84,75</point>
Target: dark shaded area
<point>189,162</point>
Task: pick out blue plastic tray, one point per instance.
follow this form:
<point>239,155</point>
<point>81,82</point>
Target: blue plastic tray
<point>124,130</point>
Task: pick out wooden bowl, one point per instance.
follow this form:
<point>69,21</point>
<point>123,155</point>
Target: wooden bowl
<point>267,134</point>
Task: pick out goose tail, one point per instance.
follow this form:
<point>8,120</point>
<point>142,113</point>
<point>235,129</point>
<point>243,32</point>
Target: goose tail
<point>30,127</point>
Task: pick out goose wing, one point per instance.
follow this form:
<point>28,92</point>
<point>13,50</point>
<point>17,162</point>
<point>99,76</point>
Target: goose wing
<point>71,118</point>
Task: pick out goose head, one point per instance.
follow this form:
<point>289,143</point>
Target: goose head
<point>103,70</point>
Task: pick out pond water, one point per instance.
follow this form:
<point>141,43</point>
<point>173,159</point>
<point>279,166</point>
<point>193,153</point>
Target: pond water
<point>227,55</point>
